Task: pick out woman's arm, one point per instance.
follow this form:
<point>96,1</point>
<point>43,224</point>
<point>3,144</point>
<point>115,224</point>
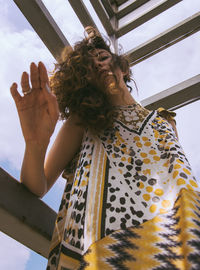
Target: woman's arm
<point>39,175</point>
<point>38,114</point>
<point>66,145</point>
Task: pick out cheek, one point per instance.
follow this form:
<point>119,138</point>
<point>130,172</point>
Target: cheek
<point>109,61</point>
<point>119,74</point>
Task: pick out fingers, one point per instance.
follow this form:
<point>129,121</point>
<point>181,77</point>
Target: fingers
<point>38,77</point>
<point>35,78</point>
<point>52,101</point>
<point>43,75</point>
<point>15,94</point>
<point>25,82</point>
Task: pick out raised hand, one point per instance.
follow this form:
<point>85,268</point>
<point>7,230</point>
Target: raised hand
<point>37,108</point>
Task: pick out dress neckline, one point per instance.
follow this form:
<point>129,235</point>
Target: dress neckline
<point>130,106</point>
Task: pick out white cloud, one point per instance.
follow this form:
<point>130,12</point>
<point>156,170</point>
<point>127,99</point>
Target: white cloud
<point>17,51</point>
<point>66,19</point>
<point>13,255</point>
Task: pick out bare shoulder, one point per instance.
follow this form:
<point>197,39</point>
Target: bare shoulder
<point>173,124</point>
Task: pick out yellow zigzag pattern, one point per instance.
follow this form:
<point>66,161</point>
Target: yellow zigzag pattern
<point>164,241</point>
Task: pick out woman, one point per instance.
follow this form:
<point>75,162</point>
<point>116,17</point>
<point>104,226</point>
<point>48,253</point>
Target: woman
<point>130,201</point>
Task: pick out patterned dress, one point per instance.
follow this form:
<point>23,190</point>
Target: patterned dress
<point>131,201</point>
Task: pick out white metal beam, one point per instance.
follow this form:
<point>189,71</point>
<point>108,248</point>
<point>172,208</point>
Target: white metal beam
<point>166,39</point>
<point>103,16</point>
<point>43,24</point>
<point>108,8</point>
<point>24,217</point>
<point>132,6</point>
<point>151,13</point>
<point>82,13</point>
<point>118,2</point>
<point>175,97</point>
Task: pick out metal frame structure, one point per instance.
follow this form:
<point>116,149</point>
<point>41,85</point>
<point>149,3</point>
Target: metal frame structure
<point>20,220</point>
<point>23,216</point>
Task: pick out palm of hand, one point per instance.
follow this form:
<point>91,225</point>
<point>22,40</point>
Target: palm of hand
<point>38,109</point>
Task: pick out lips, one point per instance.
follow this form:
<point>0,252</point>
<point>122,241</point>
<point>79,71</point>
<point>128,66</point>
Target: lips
<point>105,72</point>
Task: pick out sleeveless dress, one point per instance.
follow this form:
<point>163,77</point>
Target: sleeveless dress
<point>130,201</point>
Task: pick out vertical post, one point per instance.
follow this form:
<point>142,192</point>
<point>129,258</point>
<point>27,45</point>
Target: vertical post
<point>114,22</point>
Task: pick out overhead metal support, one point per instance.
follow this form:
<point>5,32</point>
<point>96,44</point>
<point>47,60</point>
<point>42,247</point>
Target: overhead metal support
<point>24,217</point>
<point>103,16</point>
<point>166,39</point>
<point>175,97</point>
<point>82,13</point>
<point>44,25</point>
<point>118,2</point>
<point>133,6</point>
<point>114,22</point>
<point>154,11</point>
<point>108,8</point>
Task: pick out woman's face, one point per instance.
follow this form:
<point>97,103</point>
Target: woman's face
<point>102,59</point>
<point>103,64</point>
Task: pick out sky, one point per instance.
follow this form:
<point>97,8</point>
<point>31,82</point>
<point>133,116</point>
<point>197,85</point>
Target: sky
<point>20,46</point>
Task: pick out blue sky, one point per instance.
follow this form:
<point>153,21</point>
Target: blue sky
<point>20,46</point>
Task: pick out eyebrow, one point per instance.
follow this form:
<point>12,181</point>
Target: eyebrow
<point>95,54</point>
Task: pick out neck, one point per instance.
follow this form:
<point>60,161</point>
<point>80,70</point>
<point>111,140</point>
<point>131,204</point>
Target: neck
<point>122,97</point>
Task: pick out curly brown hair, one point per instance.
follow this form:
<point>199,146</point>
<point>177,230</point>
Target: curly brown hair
<point>75,90</point>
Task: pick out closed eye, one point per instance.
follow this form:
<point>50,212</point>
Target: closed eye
<point>102,58</point>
